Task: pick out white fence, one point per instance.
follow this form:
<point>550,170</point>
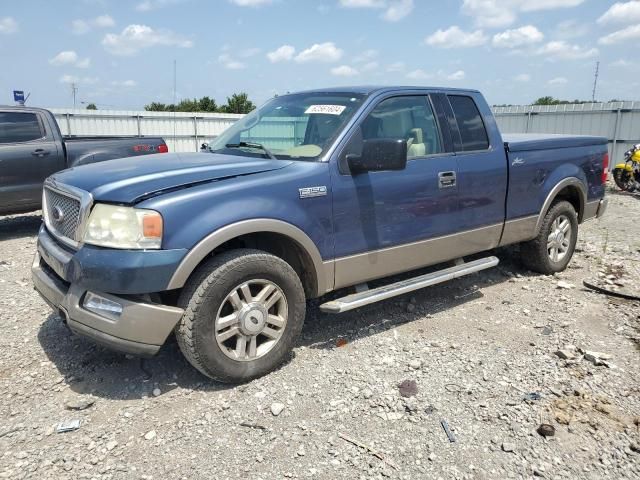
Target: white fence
<point>184,132</point>
<point>618,121</point>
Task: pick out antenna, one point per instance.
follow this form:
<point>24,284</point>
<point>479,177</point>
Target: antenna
<point>74,90</point>
<point>595,82</point>
<point>174,103</point>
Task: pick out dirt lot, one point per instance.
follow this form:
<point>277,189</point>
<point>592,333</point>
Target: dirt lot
<point>474,347</point>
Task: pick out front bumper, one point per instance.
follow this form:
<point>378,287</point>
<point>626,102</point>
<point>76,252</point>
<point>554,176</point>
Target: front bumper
<point>140,329</point>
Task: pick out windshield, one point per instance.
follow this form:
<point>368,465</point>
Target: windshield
<point>299,126</point>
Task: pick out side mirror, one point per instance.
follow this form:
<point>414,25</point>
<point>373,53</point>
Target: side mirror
<point>379,154</point>
<point>204,147</point>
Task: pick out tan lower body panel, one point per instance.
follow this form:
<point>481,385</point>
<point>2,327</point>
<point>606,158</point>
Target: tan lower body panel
<point>519,230</point>
<point>403,258</point>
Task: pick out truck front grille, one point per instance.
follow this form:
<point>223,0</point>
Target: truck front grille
<point>62,213</point>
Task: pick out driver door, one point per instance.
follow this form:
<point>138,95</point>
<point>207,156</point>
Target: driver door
<point>389,221</point>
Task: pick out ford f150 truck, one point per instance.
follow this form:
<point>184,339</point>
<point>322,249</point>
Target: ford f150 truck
<point>312,192</point>
<point>32,148</point>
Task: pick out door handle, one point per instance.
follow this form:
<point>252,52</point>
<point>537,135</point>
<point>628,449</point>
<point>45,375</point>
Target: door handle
<point>40,152</point>
<point>446,179</point>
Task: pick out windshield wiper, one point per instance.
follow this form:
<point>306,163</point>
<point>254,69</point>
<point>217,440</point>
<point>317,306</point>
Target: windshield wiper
<point>259,146</point>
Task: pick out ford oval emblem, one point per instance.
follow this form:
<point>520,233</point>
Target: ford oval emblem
<point>57,214</point>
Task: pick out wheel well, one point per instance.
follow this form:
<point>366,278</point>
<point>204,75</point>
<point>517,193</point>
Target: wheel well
<point>572,195</point>
<point>283,247</point>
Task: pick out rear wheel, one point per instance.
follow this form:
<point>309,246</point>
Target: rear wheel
<point>552,249</point>
<point>244,310</point>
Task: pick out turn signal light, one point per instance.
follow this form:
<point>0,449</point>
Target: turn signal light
<point>605,168</point>
<point>162,148</point>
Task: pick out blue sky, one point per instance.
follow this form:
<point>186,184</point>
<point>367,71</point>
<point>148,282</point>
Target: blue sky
<point>120,54</point>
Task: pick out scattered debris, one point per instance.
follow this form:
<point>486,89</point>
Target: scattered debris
<point>508,447</point>
<point>341,342</point>
<point>447,430</point>
<point>430,409</point>
<point>156,392</point>
<point>531,397</point>
<point>565,285</point>
<point>150,435</point>
<point>253,425</point>
<point>111,445</point>
<point>597,358</point>
<point>277,408</point>
<point>605,291</point>
<point>367,448</point>
<point>81,403</point>
<point>546,430</point>
<point>408,388</point>
<point>68,426</point>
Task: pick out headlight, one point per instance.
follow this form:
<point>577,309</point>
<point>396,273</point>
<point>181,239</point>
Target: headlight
<point>123,227</point>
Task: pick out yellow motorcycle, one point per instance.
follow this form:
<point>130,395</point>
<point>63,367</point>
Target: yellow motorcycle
<point>627,174</point>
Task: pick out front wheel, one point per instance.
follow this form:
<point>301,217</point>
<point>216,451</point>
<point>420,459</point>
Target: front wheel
<point>552,249</point>
<point>623,179</point>
<point>244,310</point>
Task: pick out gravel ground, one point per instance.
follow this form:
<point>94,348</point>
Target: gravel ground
<point>474,347</point>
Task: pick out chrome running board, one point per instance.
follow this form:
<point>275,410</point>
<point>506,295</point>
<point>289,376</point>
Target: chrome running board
<point>366,297</point>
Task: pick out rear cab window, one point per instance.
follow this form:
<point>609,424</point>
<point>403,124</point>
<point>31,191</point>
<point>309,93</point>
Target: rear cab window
<point>18,127</point>
<point>473,133</point>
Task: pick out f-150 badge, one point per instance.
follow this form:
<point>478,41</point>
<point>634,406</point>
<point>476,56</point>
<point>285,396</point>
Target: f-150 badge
<point>309,192</point>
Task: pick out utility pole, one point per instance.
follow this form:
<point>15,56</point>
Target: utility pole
<point>595,82</point>
<point>74,90</point>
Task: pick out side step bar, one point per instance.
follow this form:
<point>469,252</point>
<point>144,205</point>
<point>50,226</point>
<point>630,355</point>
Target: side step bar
<point>360,299</point>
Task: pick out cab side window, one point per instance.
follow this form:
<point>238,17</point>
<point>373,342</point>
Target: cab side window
<point>16,127</point>
<point>470,124</point>
<point>409,118</point>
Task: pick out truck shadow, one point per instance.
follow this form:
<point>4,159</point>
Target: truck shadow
<point>17,226</point>
<point>91,369</point>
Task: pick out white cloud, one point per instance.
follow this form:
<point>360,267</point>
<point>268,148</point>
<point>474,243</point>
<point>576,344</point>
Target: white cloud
<point>558,81</point>
<point>621,12</point>
<point>320,52</point>
<point>344,71</point>
<point>124,83</point>
<point>394,10</point>
<point>523,77</point>
<point>148,5</point>
<point>632,32</point>
<point>366,56</point>
<point>419,74</point>
<point>518,37</point>
<point>81,26</point>
<point>459,75</point>
<point>69,57</point>
<point>230,63</point>
<point>251,3</point>
<point>8,25</point>
<point>502,13</point>
<point>396,67</point>
<point>455,37</point>
<point>397,10</point>
<point>137,37</point>
<point>250,52</point>
<point>561,50</point>
<point>104,21</point>
<point>284,53</point>
<point>569,29</point>
<point>369,66</point>
<point>78,80</point>
<point>621,63</point>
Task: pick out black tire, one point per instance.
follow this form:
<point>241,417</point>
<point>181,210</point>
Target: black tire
<point>535,254</point>
<point>623,179</point>
<point>203,297</point>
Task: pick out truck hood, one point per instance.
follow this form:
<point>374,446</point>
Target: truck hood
<point>130,180</point>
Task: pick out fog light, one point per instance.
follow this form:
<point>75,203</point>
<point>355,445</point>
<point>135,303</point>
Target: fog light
<point>102,306</point>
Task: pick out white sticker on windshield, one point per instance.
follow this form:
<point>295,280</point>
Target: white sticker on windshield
<point>326,109</point>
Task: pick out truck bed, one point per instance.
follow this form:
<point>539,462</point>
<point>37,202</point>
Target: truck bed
<point>521,142</point>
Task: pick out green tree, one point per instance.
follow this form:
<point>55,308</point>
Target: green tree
<point>92,106</point>
<point>238,103</point>
<point>155,107</point>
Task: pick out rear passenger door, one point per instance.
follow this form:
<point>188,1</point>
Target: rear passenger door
<point>28,154</point>
<point>482,167</point>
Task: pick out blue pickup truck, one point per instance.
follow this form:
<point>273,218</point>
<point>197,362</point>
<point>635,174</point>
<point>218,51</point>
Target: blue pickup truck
<point>313,192</point>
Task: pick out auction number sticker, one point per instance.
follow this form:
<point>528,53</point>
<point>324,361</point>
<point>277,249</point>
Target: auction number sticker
<point>326,109</point>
